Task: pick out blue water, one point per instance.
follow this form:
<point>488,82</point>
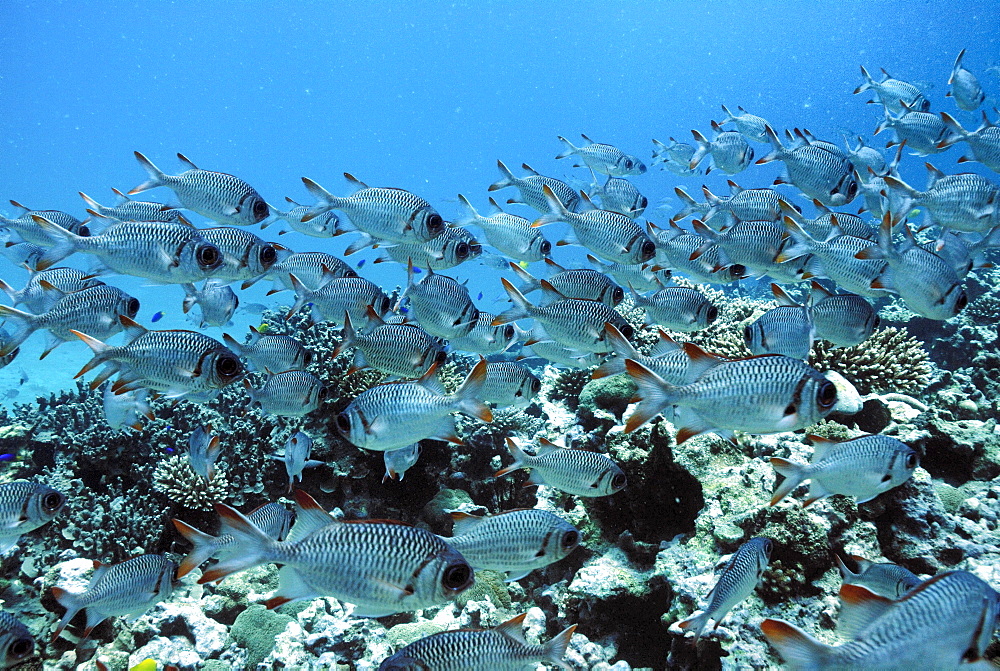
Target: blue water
<point>427,96</point>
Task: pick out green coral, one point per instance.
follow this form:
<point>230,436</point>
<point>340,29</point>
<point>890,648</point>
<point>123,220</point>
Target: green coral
<point>256,629</point>
<point>610,394</point>
<point>408,632</point>
<point>488,585</point>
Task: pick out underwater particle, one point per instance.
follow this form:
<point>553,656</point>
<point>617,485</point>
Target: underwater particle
<point>175,477</point>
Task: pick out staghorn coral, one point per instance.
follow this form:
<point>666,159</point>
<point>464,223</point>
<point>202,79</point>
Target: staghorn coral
<point>891,360</point>
<point>984,311</point>
<point>175,477</point>
<point>565,385</point>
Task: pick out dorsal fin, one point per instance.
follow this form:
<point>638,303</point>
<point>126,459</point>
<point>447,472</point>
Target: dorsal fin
<point>186,162</point>
<point>354,182</point>
<point>783,298</point>
<point>545,446</point>
<point>464,523</point>
<point>309,516</point>
<point>513,628</point>
<point>821,446</point>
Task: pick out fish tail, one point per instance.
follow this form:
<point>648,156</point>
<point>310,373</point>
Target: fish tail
<point>204,548</point>
<point>654,394</point>
<point>521,310</point>
<point>796,647</point>
<point>777,149</point>
<point>156,176</point>
<point>190,297</point>
<point>101,351</point>
<point>71,603</point>
<point>24,326</point>
<point>530,282</point>
<point>471,216</point>
<point>621,347</point>
<point>349,336</point>
<point>466,395</point>
<point>250,545</point>
<point>557,211</point>
<point>13,293</point>
<point>704,146</point>
<point>570,147</point>
<point>695,623</point>
<point>520,458</point>
<point>868,84</point>
<point>690,205</point>
<point>506,180</point>
<point>557,647</point>
<point>302,294</point>
<point>729,115</point>
<point>66,242</point>
<point>793,473</point>
<point>325,198</point>
<point>908,196</point>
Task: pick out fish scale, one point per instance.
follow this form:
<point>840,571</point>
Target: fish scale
<point>963,202</point>
<point>675,251</point>
<point>532,188</point>
<point>509,383</point>
<point>835,260</point>
<point>307,266</point>
<point>38,299</point>
<point>485,338</point>
<point>820,174</point>
<point>275,353</point>
<point>639,276</point>
<point>454,246</point>
<point>675,156</point>
<point>746,205</point>
<point>889,580</point>
<point>132,210</point>
<point>749,125</point>
<point>244,255</point>
<point>405,350</point>
<point>753,244</point>
<point>984,142</point>
<point>603,158</point>
<point>582,283</point>
<point>677,308</point>
<point>922,131</point>
<point>843,319</point>
<point>291,393</point>
<point>338,295</point>
<point>325,225</point>
<point>579,472</point>
<point>441,306</point>
<point>16,641</point>
<point>786,330</point>
<point>94,310</point>
<point>620,195</point>
<point>729,150</point>
<point>509,233</point>
<point>28,229</point>
<point>892,92</point>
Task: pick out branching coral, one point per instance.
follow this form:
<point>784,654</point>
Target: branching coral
<point>175,478</point>
<point>891,360</point>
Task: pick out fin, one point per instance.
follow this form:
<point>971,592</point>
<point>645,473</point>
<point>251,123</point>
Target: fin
<point>797,648</point>
<point>309,516</point>
<point>521,310</point>
<point>696,623</point>
<point>24,326</point>
<point>570,148</point>
<point>858,607</point>
<point>556,648</point>
<point>250,544</point>
<point>156,176</point>
<point>66,243</point>
<point>467,395</point>
<point>521,460</point>
<point>71,603</point>
<point>205,546</point>
<point>794,474</point>
<point>464,523</point>
<point>817,491</point>
<point>506,180</point>
<point>558,211</point>
<point>291,587</point>
<point>655,394</point>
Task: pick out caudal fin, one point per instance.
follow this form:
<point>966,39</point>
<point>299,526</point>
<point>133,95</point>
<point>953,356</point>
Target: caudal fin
<point>205,546</point>
<point>66,243</point>
<point>24,325</point>
<point>570,148</point>
<point>793,473</point>
<point>521,310</point>
<point>520,458</point>
<point>507,178</point>
<point>467,394</point>
<point>557,647</point>
<point>797,648</point>
<point>250,544</point>
<point>695,623</point>
<point>655,394</point>
<point>156,176</point>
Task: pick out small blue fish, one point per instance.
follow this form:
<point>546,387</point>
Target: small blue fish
<point>7,457</point>
<point>361,263</point>
<point>417,270</point>
<point>157,317</point>
<point>480,296</point>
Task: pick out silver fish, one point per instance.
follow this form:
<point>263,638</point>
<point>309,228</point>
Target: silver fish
<point>380,567</point>
<point>822,227</point>
<point>296,458</point>
<point>749,125</point>
<point>666,358</point>
<point>603,158</point>
<point>675,248</point>
<point>292,393</point>
<point>639,276</point>
<point>861,467</point>
<point>337,296</point>
<point>531,188</point>
<point>23,254</point>
<point>130,210</point>
<point>502,648</point>
<point>204,449</point>
<point>25,506</point>
<point>128,588</point>
<point>571,322</point>
<point>28,229</point>
<point>485,338</point>
<point>787,329</point>
<point>397,462</point>
<point>675,157</point>
<point>730,152</point>
<point>515,542</point>
<point>379,212</point>
<point>835,259</point>
<point>582,283</point>
<point>889,580</point>
<point>127,409</point>
<point>923,132</point>
<point>842,319</point>
<point>38,299</point>
<point>818,173</point>
<point>454,246</point>
<point>441,305</point>
<point>737,582</point>
<point>552,351</point>
<point>878,197</point>
<point>219,196</point>
<point>390,416</point>
<point>326,225</point>
<point>244,255</point>
<point>311,268</point>
<point>741,205</point>
<point>96,310</point>
<point>677,308</point>
<point>403,350</point>
<point>762,394</point>
<point>509,233</point>
<point>943,623</point>
<point>509,383</point>
<point>865,158</point>
<point>753,245</point>
<point>894,93</point>
<point>609,235</point>
<point>965,88</point>
<point>963,202</point>
<point>271,353</point>
<point>577,472</point>
<point>984,142</point>
<point>700,210</point>
<point>802,136</point>
<point>16,642</point>
<point>217,302</point>
<point>619,195</point>
<point>171,253</point>
<point>178,363</point>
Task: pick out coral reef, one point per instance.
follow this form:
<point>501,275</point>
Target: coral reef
<point>175,477</point>
<point>891,360</point>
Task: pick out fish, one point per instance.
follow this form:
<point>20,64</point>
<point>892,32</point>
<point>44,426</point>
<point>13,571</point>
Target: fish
<point>26,506</point>
<point>391,416</point>
<point>787,329</point>
<point>675,248</point>
<point>271,353</point>
<point>129,588</point>
<point>889,580</point>
<point>550,350</point>
<point>156,317</point>
<point>485,338</point>
<point>580,283</point>
<point>23,254</point>
<point>37,299</point>
<point>310,267</point>
<point>216,301</point>
<point>835,258</point>
<point>27,228</point>
<point>501,648</point>
<point>609,235</point>
<point>666,358</point>
<point>292,393</point>
<point>454,246</point>
<point>397,462</point>
<point>515,542</point>
<point>204,449</point>
<point>693,207</point>
<point>509,383</point>
<point>127,409</point>
<point>379,212</point>
<point>749,125</point>
<point>844,320</point>
<point>130,210</point>
<point>512,235</point>
<point>738,580</point>
<point>879,198</point>
<point>273,519</point>
<point>755,246</point>
<point>741,205</point>
<point>216,195</point>
<point>729,151</point>
<point>894,93</point>
<point>177,363</point>
<point>964,202</point>
<point>818,173</point>
<point>619,195</point>
<point>923,132</point>
<point>579,472</point>
<point>965,88</point>
<point>337,296</point>
<point>829,223</point>
<point>571,322</point>
<point>296,458</point>
<point>760,394</point>
<point>403,350</point>
<point>862,467</point>
<point>944,623</point>
<point>677,308</point>
<point>675,157</point>
<point>382,567</point>
<point>639,276</point>
<point>865,158</point>
<point>531,189</point>
<point>326,225</point>
<point>927,283</point>
<point>984,142</point>
<point>16,642</point>
<point>603,158</point>
<point>244,255</point>
<point>441,305</point>
<point>95,309</point>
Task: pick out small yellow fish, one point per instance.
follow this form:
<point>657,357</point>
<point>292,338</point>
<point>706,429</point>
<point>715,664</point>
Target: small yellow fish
<point>914,212</point>
<point>523,264</point>
<point>263,328</point>
<point>148,664</point>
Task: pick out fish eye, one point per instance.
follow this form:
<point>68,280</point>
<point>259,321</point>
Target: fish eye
<point>618,481</point>
<point>307,358</point>
<point>628,164</point>
<point>648,249</point>
<point>21,647</point>
<point>344,423</point>
<point>441,357</point>
<point>228,366</point>
<point>208,256</point>
<point>852,190</point>
<point>546,247</point>
<point>435,223</point>
<point>462,250</point>
<point>738,271</point>
<point>268,255</point>
<point>711,314</point>
<point>748,334</point>
<point>84,232</point>
<point>963,300</point>
<point>643,202</point>
<point>52,501</point>
<point>457,577</point>
<point>570,540</point>
<point>627,331</point>
<point>826,395</point>
<point>876,322</point>
<point>536,385</point>
<point>260,210</point>
<point>132,307</point>
<point>508,331</point>
<point>912,461</point>
<point>323,391</point>
<point>768,547</point>
<point>617,295</point>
